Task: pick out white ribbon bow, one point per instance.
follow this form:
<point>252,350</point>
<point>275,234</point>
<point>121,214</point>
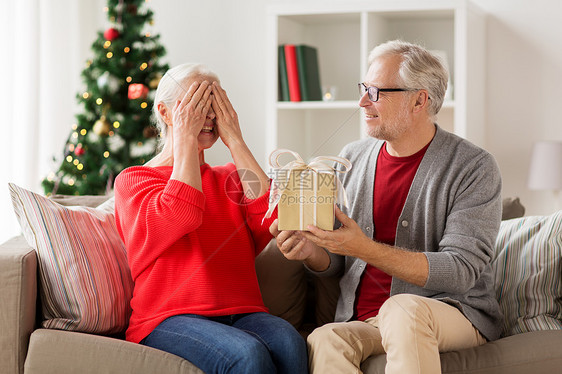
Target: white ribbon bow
<point>317,164</point>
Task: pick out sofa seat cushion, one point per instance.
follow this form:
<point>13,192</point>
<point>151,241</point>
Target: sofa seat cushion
<point>64,352</point>
<point>532,352</point>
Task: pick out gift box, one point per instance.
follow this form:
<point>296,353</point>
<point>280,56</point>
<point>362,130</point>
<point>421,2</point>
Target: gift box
<point>306,193</point>
<point>308,199</point>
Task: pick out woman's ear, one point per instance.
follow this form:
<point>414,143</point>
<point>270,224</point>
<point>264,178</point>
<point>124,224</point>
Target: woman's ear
<point>165,114</point>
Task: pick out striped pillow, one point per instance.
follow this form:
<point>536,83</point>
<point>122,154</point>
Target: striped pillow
<point>85,282</point>
<point>528,277</point>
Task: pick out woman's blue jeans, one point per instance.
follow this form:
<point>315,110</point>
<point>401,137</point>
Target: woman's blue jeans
<point>251,343</point>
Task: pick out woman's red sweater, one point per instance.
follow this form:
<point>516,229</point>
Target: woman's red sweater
<point>189,251</point>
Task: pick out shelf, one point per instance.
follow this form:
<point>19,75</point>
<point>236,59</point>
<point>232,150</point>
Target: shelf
<point>344,33</point>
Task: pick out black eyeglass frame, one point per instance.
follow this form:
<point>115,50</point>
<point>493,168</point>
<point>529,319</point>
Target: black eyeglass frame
<point>368,90</point>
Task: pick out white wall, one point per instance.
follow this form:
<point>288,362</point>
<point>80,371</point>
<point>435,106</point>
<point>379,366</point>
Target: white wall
<point>524,90</point>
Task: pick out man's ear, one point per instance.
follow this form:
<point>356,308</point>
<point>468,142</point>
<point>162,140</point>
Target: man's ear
<point>422,99</point>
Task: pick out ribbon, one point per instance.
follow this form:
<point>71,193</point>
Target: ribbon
<point>318,164</point>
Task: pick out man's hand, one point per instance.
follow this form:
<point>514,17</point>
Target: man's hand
<point>348,240</point>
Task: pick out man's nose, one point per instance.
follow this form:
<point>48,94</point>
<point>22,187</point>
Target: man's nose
<point>364,100</point>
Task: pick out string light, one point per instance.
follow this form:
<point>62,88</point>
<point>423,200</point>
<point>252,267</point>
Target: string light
<point>51,176</point>
<point>85,95</point>
<point>71,147</point>
<point>129,79</point>
<point>106,44</point>
<point>126,49</point>
<point>143,105</point>
<point>76,162</point>
<point>111,133</point>
<point>147,35</point>
<point>116,124</point>
<point>143,66</point>
<point>109,55</point>
<point>71,182</point>
<point>105,9</point>
<point>74,126</point>
<point>79,166</point>
<point>83,132</point>
<point>75,135</point>
<point>99,101</point>
<point>69,158</point>
<point>106,154</point>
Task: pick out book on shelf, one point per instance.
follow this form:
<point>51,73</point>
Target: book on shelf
<point>298,73</point>
<point>309,74</point>
<point>292,72</point>
<point>283,80</point>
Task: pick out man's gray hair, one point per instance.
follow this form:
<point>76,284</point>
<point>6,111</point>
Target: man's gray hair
<point>419,69</point>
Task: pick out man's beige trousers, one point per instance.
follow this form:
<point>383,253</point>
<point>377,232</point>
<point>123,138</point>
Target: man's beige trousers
<point>411,329</point>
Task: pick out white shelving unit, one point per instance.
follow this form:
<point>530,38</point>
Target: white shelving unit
<point>344,33</point>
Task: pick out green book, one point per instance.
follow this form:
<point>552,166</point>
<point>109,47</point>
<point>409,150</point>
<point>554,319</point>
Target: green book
<point>283,84</point>
<point>309,74</point>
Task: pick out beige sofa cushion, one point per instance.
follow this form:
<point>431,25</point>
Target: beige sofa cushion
<point>85,282</point>
<point>63,352</point>
<point>533,352</point>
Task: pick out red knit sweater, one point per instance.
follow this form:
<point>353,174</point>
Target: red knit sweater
<point>189,251</point>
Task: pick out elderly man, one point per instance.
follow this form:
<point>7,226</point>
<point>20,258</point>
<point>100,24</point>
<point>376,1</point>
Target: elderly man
<point>416,244</point>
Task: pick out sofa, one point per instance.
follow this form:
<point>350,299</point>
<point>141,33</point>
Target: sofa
<point>532,334</point>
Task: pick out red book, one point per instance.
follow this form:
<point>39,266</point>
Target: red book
<point>292,72</point>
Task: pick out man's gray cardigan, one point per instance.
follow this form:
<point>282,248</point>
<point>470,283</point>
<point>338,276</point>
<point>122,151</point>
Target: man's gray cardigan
<point>452,214</point>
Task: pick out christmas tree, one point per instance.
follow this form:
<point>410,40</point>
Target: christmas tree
<point>114,130</point>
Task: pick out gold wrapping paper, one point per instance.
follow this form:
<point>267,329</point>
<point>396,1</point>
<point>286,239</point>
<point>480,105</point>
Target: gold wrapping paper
<point>308,199</point>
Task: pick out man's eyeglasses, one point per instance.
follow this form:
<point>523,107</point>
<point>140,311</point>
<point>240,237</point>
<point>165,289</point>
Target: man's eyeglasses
<point>374,91</point>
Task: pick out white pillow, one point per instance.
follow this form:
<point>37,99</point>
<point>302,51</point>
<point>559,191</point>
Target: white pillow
<point>528,277</point>
<point>85,281</point>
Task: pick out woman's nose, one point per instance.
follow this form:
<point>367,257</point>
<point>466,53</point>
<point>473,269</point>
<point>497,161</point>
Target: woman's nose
<point>211,114</point>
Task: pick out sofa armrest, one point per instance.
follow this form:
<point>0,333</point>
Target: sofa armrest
<point>18,298</point>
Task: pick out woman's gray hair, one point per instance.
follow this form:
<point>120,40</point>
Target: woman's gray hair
<point>419,69</point>
<point>172,87</point>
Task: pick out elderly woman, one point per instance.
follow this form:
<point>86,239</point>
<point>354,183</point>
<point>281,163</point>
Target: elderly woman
<point>192,232</point>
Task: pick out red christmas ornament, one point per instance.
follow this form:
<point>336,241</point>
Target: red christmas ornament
<point>111,34</point>
<point>137,91</point>
<point>79,151</point>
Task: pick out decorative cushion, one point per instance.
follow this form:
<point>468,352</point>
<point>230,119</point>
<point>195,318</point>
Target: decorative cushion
<point>82,200</point>
<point>85,282</point>
<point>528,277</point>
<point>512,208</point>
